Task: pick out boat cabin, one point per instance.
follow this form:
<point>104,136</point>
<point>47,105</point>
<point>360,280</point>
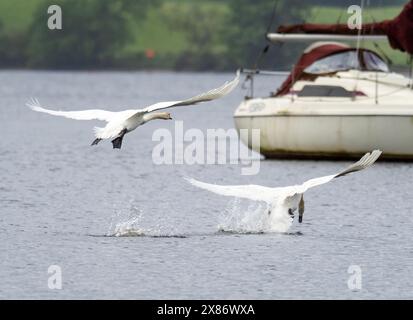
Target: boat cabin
<point>326,59</point>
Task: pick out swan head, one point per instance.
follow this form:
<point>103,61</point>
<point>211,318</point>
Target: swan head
<point>164,116</point>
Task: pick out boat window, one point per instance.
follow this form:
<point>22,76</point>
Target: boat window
<point>374,63</point>
<point>324,91</point>
<point>337,62</point>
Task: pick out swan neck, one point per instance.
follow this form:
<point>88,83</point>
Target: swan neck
<point>152,116</point>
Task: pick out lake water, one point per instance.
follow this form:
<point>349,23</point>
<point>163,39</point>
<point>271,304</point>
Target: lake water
<point>61,202</point>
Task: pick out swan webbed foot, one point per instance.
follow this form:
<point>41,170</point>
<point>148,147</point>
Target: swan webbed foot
<point>117,143</point>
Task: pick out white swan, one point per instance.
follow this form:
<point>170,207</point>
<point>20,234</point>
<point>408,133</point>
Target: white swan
<point>284,201</point>
<point>120,123</point>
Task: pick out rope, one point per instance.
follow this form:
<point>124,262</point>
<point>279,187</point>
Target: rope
<point>250,77</point>
<point>267,46</point>
<point>274,10</point>
<point>411,71</point>
<point>358,46</point>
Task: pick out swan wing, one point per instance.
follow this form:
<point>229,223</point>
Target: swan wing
<point>366,161</point>
<point>94,114</point>
<point>251,192</point>
<point>213,94</point>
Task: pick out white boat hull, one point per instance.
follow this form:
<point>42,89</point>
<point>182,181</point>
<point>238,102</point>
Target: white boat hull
<point>300,131</point>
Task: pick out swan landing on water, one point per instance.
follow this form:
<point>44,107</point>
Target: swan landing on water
<point>123,122</point>
<point>284,201</point>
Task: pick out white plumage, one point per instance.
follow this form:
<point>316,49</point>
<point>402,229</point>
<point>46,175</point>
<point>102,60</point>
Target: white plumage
<point>120,123</point>
<point>283,201</point>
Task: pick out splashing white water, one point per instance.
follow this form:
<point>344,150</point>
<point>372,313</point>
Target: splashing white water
<point>132,228</point>
<point>129,221</point>
<point>128,228</point>
<point>121,226</point>
<point>254,219</point>
<point>133,224</point>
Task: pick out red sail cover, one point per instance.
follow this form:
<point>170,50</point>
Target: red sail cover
<point>308,58</point>
<point>399,30</point>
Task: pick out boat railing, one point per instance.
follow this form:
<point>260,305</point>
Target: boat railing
<point>251,73</point>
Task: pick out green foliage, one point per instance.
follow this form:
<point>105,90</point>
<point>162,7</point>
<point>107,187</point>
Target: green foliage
<point>184,34</point>
<point>346,3</point>
<point>154,33</point>
<point>93,31</point>
<point>248,26</point>
<point>11,53</point>
<point>203,24</point>
<point>15,15</point>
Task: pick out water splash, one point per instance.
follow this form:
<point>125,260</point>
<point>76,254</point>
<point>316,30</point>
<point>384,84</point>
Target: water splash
<point>128,228</point>
<point>125,226</point>
<point>130,222</point>
<point>253,219</point>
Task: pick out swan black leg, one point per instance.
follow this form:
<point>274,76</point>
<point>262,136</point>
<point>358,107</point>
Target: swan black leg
<point>95,142</point>
<point>117,143</point>
<point>301,210</point>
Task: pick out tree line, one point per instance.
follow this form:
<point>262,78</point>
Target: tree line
<point>221,34</point>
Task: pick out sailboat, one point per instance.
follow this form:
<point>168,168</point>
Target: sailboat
<point>340,100</point>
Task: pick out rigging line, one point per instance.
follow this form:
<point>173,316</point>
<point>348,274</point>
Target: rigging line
<point>274,9</point>
<point>358,44</point>
<point>315,13</point>
<point>411,71</point>
<point>377,46</point>
<point>361,28</point>
<point>262,53</point>
<point>339,18</point>
<point>267,46</point>
<point>250,77</point>
<point>385,56</point>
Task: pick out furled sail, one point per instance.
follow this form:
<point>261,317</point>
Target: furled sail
<point>399,30</point>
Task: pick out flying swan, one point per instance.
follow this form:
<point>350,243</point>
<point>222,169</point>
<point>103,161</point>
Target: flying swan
<point>284,201</point>
<point>123,122</point>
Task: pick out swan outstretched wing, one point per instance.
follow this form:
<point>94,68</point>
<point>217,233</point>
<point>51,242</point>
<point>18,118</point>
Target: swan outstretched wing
<point>251,192</point>
<point>94,114</point>
<point>269,195</point>
<point>213,94</point>
<point>366,161</point>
